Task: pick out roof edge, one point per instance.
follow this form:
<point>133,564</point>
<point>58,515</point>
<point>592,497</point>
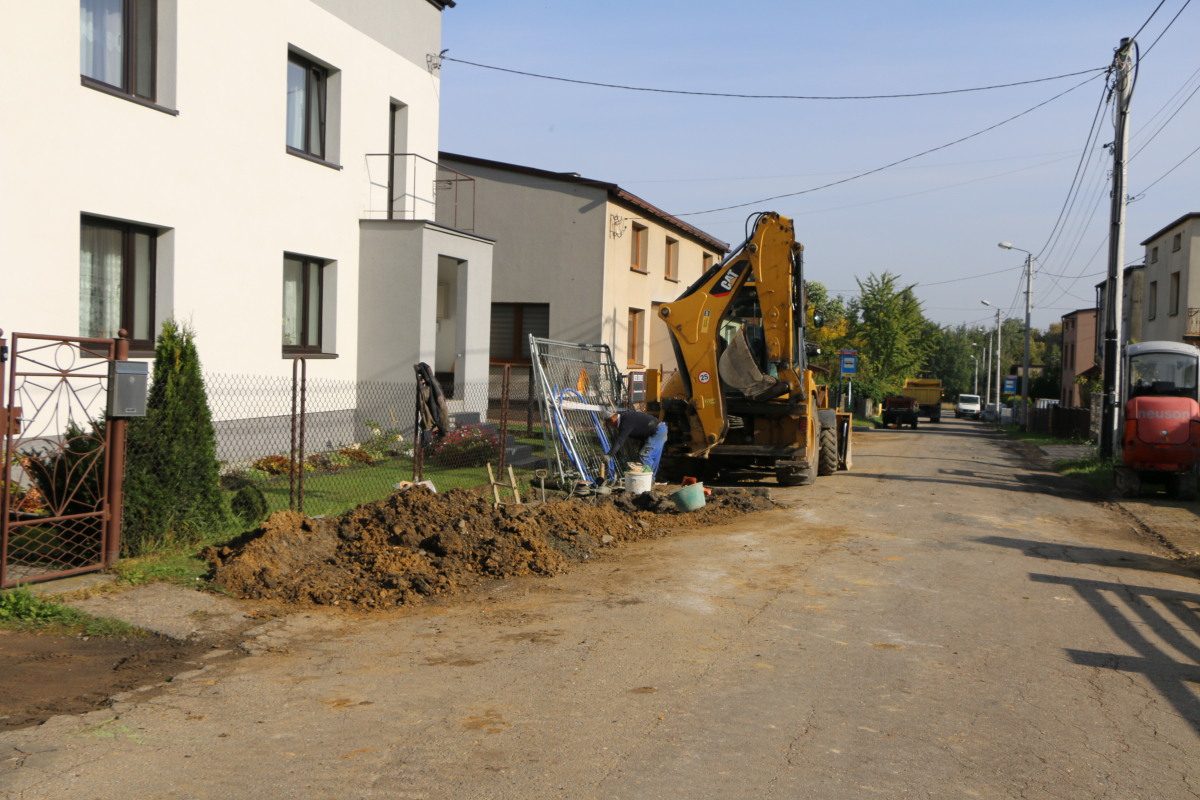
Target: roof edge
<point>1177,222</point>
<point>613,189</point>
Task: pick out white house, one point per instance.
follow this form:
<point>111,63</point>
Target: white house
<point>227,163</point>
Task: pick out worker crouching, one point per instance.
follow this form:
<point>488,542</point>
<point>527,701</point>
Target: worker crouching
<point>646,429</point>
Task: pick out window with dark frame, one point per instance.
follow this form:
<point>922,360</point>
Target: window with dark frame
<point>302,299</point>
<point>1152,302</point>
<point>1153,255</point>
<point>117,44</point>
<point>306,105</point>
<point>117,281</point>
<point>512,325</point>
<point>636,337</point>
<point>672,259</point>
<point>708,263</point>
<point>637,256</point>
<point>1173,301</point>
<point>1177,242</point>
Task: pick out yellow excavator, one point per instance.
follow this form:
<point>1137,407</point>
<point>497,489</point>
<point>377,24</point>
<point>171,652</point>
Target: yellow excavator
<point>744,397</point>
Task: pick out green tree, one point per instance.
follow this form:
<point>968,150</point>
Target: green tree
<point>889,330</point>
<point>172,476</point>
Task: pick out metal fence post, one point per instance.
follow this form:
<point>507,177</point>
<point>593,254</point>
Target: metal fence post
<point>115,477</point>
<point>299,384</point>
<point>504,417</point>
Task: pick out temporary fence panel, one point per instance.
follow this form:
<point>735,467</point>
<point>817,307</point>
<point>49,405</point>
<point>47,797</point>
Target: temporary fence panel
<point>578,386</point>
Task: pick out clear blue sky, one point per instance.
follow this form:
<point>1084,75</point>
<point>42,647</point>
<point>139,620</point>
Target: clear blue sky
<point>936,218</point>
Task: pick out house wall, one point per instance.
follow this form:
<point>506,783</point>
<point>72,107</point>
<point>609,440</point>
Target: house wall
<point>1133,313</point>
<point>1079,337</point>
<point>216,178</point>
<point>549,245</point>
<point>397,319</point>
<point>1186,261</point>
<point>625,289</point>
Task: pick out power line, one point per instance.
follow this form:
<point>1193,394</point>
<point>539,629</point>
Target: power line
<point>769,96</point>
<point>1164,30</point>
<point>970,277</point>
<point>1147,22</point>
<point>894,163</point>
<point>1172,169</point>
<point>1165,123</point>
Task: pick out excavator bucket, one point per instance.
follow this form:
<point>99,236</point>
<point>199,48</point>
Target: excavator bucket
<point>739,370</point>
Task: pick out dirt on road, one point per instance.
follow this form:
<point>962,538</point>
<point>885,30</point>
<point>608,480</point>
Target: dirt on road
<point>43,676</point>
<point>417,544</point>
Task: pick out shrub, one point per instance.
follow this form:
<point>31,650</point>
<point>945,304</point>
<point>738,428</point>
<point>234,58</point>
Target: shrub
<point>382,444</point>
<point>249,504</point>
<point>468,446</point>
<point>172,476</point>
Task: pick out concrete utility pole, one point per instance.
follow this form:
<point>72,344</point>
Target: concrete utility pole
<point>999,380</point>
<point>1024,421</point>
<point>1109,432</point>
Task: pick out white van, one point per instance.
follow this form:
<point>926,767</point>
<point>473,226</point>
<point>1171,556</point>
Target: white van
<point>968,406</point>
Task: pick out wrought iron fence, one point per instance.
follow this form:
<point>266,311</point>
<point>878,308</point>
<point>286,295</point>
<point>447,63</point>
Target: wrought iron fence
<point>1060,422</point>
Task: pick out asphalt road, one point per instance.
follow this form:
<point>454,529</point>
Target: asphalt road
<point>947,620</point>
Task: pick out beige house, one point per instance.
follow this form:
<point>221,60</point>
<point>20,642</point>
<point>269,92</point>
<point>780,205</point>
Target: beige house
<point>1171,299</point>
<point>580,260</point>
<point>1078,352</point>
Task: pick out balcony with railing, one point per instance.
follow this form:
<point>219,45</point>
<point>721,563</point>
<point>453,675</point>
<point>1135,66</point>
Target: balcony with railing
<point>1191,331</point>
<point>408,186</point>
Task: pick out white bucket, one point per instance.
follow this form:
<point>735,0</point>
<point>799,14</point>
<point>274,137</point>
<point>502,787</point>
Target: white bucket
<point>639,482</point>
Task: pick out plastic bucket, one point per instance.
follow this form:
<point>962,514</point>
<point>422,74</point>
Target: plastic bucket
<point>639,482</point>
<point>689,498</point>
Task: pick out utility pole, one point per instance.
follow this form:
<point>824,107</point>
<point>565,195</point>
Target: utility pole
<point>1109,432</point>
<point>999,374</point>
<point>1025,361</point>
<point>987,372</point>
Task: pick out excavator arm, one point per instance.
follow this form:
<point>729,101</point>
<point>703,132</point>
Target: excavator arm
<point>771,260</point>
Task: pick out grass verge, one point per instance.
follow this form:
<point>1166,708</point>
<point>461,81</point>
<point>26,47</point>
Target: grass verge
<point>1038,438</point>
<point>1098,472</point>
<point>21,610</point>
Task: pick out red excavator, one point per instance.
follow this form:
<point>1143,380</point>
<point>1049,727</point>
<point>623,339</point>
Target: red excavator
<point>1161,402</point>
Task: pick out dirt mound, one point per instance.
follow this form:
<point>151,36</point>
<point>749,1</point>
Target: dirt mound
<point>416,544</point>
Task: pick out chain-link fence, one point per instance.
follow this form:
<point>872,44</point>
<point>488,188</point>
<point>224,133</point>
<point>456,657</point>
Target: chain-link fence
<point>325,446</point>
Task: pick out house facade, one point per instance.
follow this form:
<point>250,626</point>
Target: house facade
<point>1172,282</point>
<point>1078,352</point>
<point>238,178</point>
<point>580,260</point>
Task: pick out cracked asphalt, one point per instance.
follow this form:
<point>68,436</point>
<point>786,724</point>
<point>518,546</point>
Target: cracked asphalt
<point>947,620</point>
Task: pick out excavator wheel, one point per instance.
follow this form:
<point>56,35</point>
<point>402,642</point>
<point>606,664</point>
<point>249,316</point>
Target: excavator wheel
<point>1126,482</point>
<point>1183,486</point>
<point>828,463</point>
<point>795,476</point>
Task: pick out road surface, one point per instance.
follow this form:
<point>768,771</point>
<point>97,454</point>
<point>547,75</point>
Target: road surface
<point>947,620</point>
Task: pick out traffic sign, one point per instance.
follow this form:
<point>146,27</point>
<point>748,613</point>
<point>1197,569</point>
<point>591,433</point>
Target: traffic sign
<point>849,363</point>
<point>1010,384</point>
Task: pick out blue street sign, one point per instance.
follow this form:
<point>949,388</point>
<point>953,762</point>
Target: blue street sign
<point>849,364</point>
<point>1010,384</point>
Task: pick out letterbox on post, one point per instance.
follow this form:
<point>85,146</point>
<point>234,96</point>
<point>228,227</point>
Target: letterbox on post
<point>127,381</point>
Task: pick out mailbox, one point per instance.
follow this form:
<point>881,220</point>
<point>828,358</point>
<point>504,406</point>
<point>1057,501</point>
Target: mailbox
<point>127,382</point>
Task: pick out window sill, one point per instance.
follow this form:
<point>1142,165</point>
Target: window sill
<point>315,356</point>
<point>635,366</point>
<point>672,280</point>
<point>99,86</point>
<point>301,154</point>
<point>639,271</point>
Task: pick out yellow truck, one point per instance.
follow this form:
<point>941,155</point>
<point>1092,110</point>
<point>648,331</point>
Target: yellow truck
<point>928,394</point>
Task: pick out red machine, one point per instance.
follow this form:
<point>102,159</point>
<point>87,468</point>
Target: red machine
<point>1161,441</point>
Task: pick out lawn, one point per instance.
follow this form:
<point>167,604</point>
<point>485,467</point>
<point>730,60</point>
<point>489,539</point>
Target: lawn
<point>1098,472</point>
<point>1038,438</point>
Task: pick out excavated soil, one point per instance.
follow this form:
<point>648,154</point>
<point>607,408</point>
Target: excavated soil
<point>418,544</point>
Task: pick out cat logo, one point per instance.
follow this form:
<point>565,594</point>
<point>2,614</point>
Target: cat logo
<point>725,285</point>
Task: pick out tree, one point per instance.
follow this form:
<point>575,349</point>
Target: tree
<point>889,331</point>
<point>172,476</point>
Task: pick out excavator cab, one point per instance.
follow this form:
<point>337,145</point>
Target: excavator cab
<point>1160,402</point>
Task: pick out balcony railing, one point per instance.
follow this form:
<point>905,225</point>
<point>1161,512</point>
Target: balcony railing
<point>410,186</point>
<point>1192,328</point>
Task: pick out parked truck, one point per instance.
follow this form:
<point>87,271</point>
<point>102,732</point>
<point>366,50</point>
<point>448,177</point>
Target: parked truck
<point>899,410</point>
<point>928,394</point>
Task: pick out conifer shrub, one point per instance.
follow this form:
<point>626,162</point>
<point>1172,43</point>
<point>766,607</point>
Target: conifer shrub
<point>172,476</point>
<point>249,504</point>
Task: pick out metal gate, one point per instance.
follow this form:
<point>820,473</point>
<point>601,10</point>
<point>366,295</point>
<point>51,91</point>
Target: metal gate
<point>60,502</point>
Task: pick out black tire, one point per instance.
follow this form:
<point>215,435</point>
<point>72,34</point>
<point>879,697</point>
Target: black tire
<point>914,424</point>
<point>795,476</point>
<point>828,462</point>
<point>1183,486</point>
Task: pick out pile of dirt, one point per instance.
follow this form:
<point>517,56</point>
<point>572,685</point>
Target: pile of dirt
<point>416,544</point>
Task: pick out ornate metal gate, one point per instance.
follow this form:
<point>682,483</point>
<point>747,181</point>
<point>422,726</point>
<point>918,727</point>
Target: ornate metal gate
<point>60,502</point>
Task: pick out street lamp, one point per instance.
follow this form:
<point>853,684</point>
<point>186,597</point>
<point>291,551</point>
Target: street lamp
<point>1025,360</point>
<point>976,360</point>
<point>998,378</point>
